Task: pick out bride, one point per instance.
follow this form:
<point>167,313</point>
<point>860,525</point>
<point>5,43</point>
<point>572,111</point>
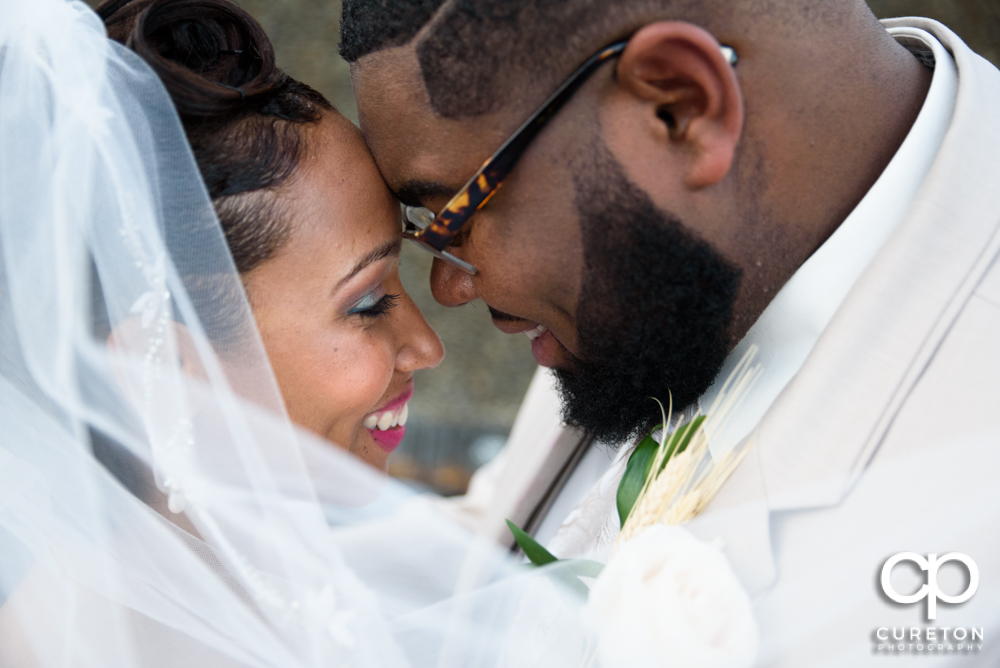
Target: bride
<point>198,296</point>
<point>312,228</point>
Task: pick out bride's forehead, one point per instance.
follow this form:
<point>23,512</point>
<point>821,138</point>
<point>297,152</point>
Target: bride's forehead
<point>337,200</point>
<point>337,165</point>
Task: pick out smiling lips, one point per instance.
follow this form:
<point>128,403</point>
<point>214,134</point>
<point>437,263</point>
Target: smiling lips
<point>536,332</point>
<point>546,349</point>
<point>385,420</point>
<point>387,425</point>
<point>544,346</point>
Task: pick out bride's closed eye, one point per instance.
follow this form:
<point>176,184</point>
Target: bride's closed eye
<point>375,304</point>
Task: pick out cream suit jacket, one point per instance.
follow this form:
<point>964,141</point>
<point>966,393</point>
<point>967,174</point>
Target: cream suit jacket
<point>886,441</point>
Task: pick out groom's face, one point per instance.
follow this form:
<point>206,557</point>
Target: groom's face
<point>633,305</point>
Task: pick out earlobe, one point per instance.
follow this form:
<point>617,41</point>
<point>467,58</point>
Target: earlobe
<point>678,73</point>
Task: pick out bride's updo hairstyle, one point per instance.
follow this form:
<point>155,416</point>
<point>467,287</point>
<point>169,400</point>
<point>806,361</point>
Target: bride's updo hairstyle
<point>243,116</point>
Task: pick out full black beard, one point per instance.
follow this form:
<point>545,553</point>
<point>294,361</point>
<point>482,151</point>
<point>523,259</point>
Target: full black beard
<point>655,307</point>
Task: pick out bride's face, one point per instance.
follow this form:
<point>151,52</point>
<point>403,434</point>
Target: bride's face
<point>343,337</point>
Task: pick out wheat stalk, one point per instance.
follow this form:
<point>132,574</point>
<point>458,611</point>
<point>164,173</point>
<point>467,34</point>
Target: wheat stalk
<point>676,493</point>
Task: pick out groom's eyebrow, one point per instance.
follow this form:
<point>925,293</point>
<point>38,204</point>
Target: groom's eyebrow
<point>383,251</point>
<point>415,192</point>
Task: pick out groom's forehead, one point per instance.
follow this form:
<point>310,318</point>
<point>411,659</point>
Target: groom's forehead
<point>410,142</point>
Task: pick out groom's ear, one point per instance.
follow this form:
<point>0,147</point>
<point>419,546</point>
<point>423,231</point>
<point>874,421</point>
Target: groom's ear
<point>689,99</point>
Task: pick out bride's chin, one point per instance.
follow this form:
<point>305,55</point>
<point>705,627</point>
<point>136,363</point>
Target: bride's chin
<point>367,449</point>
<point>376,459</point>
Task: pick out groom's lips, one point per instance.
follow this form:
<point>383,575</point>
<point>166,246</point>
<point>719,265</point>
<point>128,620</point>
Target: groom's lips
<point>546,349</point>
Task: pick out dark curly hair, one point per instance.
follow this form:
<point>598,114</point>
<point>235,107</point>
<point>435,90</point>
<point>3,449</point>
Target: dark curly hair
<point>242,114</point>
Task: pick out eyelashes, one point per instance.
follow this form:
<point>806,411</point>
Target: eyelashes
<point>382,307</point>
<point>372,306</point>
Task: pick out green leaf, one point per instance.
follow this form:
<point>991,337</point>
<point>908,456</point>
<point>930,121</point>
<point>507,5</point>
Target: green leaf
<point>537,554</point>
<point>570,571</point>
<point>681,438</point>
<point>636,472</point>
<point>640,462</point>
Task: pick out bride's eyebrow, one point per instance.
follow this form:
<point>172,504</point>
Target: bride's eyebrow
<point>385,250</point>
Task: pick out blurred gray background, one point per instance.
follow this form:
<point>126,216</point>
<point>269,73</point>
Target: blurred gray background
<point>463,410</point>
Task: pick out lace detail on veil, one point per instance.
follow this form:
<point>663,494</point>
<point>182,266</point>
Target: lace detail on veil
<point>278,554</point>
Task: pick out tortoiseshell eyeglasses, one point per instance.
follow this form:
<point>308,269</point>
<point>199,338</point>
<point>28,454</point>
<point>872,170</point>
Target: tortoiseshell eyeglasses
<point>434,233</point>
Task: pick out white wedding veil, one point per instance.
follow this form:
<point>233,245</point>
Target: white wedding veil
<point>157,508</point>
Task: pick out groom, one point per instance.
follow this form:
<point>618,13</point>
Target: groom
<point>790,174</point>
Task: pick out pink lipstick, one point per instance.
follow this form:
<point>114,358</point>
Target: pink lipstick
<point>387,425</point>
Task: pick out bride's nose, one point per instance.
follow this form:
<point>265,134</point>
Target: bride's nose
<point>418,345</point>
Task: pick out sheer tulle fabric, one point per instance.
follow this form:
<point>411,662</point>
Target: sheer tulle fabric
<point>157,508</point>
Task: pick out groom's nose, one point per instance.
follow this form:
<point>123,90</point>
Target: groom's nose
<point>450,285</point>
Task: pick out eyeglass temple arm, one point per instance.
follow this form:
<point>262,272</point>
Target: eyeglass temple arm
<point>487,180</point>
<point>484,183</point>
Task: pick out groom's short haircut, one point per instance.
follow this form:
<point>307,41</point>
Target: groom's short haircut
<point>475,56</point>
<point>367,26</point>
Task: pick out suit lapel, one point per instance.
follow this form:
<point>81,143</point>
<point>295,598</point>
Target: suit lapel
<point>828,422</point>
<point>739,516</point>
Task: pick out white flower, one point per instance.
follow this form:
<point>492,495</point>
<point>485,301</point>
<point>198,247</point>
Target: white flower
<point>668,599</point>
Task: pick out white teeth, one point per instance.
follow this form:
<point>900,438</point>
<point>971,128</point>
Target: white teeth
<point>536,332</point>
<point>388,419</point>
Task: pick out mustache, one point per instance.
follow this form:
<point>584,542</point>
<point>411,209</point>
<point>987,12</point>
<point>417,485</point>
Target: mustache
<point>500,316</point>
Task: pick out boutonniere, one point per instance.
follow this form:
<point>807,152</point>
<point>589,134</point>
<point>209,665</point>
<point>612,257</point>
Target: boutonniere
<point>666,598</point>
<point>672,480</point>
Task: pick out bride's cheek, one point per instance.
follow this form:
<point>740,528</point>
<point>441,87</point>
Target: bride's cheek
<point>367,373</point>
